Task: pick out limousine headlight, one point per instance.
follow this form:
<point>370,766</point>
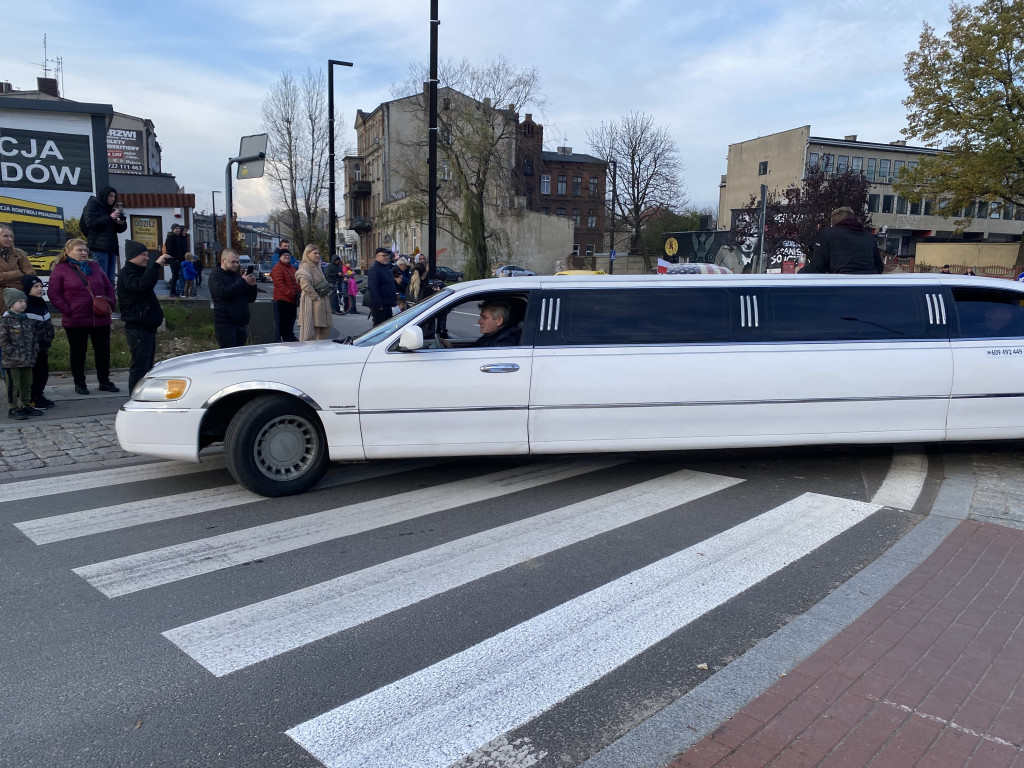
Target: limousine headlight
<point>160,390</point>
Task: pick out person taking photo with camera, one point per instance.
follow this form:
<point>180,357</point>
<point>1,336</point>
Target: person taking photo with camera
<point>232,293</point>
<point>101,222</point>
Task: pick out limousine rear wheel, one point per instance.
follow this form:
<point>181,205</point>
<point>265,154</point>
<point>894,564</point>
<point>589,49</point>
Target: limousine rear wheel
<point>275,446</point>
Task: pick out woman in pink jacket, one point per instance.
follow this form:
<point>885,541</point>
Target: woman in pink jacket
<point>74,283</point>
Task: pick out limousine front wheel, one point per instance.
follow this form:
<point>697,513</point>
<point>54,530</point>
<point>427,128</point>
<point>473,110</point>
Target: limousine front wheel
<point>275,446</point>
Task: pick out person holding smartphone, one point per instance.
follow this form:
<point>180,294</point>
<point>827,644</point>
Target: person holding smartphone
<point>232,293</point>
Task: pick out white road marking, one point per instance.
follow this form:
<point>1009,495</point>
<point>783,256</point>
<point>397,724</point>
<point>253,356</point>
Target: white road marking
<point>46,530</point>
<point>163,566</point>
<point>254,633</point>
<point>100,478</point>
<point>904,481</point>
<point>444,712</point>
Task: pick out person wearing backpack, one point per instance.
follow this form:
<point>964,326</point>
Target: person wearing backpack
<point>101,222</point>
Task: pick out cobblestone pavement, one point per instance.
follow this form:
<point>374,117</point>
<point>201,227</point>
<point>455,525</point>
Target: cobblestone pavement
<point>59,443</point>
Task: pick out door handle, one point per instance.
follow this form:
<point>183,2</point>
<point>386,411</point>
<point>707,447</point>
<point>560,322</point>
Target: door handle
<point>499,368</point>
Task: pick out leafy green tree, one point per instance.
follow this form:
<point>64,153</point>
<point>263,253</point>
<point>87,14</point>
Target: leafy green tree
<point>73,229</point>
<point>967,96</point>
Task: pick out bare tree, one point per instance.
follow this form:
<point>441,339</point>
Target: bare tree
<point>477,121</point>
<point>295,120</point>
<point>648,172</point>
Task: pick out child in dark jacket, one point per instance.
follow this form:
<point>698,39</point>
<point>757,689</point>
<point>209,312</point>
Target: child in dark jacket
<point>38,311</point>
<point>19,345</point>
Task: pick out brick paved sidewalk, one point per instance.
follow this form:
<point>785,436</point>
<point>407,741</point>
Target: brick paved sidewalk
<point>932,675</point>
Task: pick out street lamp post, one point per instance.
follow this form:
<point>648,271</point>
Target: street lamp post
<point>213,214</point>
<point>332,229</point>
<point>611,248</point>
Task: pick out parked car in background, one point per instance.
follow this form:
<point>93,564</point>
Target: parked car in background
<point>448,274</point>
<point>511,270</point>
<point>264,271</point>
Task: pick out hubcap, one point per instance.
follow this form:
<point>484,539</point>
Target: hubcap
<point>285,448</point>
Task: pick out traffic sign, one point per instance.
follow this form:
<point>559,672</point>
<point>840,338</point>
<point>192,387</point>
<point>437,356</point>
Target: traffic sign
<point>251,147</point>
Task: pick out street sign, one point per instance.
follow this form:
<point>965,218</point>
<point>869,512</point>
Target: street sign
<point>251,146</point>
<point>611,254</point>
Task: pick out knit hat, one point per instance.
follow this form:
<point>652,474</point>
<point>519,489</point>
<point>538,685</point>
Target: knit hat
<point>27,282</point>
<point>11,295</point>
<point>133,248</point>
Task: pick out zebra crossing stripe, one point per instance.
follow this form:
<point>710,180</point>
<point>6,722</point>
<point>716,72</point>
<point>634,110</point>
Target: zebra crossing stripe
<point>441,714</point>
<point>904,480</point>
<point>101,478</point>
<point>46,530</point>
<point>163,566</point>
<point>239,638</point>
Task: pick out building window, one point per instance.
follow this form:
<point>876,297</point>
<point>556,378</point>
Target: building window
<point>545,184</point>
<point>968,212</point>
<point>887,201</point>
<point>897,168</point>
<point>873,203</point>
<point>527,166</point>
<point>828,163</point>
<point>446,170</point>
<point>901,205</point>
<point>592,218</point>
<point>813,159</point>
<point>575,249</point>
<point>560,211</point>
<point>993,210</point>
<point>561,185</point>
<point>762,168</point>
<point>577,186</point>
<point>915,208</point>
<point>857,165</point>
<point>927,207</point>
<point>842,163</point>
<point>871,169</point>
<point>1008,211</point>
<point>883,171</point>
<point>593,186</point>
<point>590,250</point>
<point>545,209</point>
<point>576,217</point>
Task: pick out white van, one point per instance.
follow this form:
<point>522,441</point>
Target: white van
<point>606,363</point>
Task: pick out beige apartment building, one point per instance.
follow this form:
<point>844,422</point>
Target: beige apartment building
<point>778,161</point>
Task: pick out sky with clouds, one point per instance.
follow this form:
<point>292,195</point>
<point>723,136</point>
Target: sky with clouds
<point>713,74</point>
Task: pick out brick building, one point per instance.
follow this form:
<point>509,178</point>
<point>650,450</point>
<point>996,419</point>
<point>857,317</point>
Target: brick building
<point>562,183</point>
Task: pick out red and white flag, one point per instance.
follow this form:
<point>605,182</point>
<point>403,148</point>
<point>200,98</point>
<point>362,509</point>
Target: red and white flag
<point>662,267</point>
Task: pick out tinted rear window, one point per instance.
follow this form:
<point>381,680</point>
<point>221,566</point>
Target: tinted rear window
<point>642,316</point>
<point>846,313</point>
<point>987,313</point>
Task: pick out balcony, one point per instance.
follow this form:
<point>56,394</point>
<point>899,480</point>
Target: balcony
<point>358,188</point>
<point>360,224</point>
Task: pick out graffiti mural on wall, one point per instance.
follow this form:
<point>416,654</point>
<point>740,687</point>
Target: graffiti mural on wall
<point>708,247</point>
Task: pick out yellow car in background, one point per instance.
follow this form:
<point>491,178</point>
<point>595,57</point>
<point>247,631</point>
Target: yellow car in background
<point>43,262</point>
<point>582,272</point>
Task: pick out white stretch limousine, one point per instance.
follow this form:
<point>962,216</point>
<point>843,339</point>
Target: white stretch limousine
<point>617,363</point>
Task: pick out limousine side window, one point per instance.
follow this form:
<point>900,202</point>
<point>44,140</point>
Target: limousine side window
<point>987,313</point>
<point>848,313</point>
<point>457,324</point>
<point>652,315</point>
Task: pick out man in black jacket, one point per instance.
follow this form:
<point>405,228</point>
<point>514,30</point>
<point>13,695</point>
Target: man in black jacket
<point>140,308</point>
<point>101,223</point>
<point>380,284</point>
<point>845,248</point>
<point>176,245</point>
<point>231,293</point>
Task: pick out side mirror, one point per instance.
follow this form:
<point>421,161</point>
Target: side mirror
<point>411,339</point>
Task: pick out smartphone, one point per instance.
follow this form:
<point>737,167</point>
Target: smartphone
<point>249,269</point>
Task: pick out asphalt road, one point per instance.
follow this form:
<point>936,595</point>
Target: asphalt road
<point>471,612</point>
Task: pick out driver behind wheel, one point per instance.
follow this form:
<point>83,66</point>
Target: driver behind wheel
<point>495,326</point>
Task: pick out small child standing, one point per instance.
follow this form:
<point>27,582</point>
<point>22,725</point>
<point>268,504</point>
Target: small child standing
<point>38,311</point>
<point>20,345</point>
<point>189,273</point>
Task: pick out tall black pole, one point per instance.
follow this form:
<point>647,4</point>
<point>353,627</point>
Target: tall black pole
<point>331,224</point>
<point>611,248</point>
<point>432,148</point>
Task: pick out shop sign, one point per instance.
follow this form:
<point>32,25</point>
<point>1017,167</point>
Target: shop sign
<point>45,160</point>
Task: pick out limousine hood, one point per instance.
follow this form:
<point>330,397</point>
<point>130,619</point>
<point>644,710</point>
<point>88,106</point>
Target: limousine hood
<point>260,359</point>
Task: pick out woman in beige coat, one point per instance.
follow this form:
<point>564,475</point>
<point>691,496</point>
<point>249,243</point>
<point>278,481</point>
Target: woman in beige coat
<point>314,310</point>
